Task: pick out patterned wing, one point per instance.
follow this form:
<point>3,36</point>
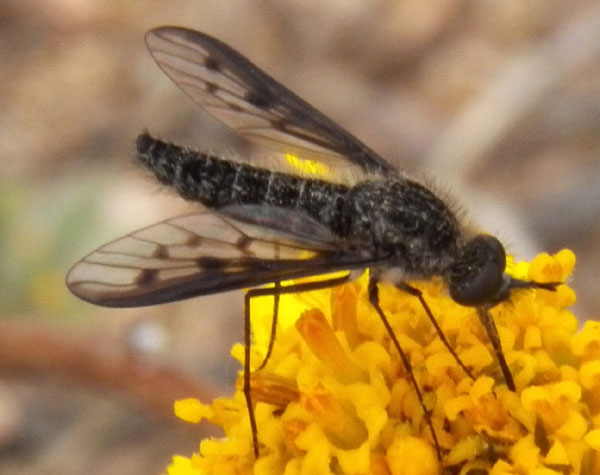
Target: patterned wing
<point>200,254</point>
<point>239,94</point>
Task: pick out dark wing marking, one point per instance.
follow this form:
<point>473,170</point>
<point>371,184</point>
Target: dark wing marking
<point>239,94</point>
<point>200,254</point>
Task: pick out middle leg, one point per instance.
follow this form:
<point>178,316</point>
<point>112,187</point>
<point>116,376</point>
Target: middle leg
<point>374,300</point>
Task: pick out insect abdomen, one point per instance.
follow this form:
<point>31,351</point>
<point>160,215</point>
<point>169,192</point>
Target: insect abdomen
<point>217,183</point>
<point>196,176</point>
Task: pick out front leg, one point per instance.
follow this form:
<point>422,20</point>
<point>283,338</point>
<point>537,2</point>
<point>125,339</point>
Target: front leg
<point>490,327</point>
<point>419,295</point>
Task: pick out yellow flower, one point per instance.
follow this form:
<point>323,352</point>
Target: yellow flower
<point>335,398</point>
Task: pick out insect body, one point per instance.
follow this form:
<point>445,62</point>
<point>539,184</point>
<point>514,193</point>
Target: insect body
<point>394,219</point>
<point>262,222</point>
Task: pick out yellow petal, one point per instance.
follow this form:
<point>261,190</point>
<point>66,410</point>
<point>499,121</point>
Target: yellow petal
<point>192,410</point>
<point>557,455</point>
<point>411,456</point>
<point>593,439</point>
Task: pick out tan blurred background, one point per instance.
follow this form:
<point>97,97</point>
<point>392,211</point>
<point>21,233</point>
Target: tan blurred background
<point>497,102</point>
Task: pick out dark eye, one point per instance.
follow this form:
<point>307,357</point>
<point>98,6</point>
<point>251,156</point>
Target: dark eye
<point>477,277</point>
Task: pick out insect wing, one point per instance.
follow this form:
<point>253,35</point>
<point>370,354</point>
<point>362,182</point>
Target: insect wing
<point>198,254</point>
<point>239,94</point>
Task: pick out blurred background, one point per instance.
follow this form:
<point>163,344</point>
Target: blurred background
<point>496,102</point>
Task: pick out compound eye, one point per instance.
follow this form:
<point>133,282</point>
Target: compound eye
<point>477,277</point>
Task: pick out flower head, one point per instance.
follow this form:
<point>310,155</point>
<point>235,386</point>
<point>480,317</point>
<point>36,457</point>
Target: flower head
<point>335,397</point>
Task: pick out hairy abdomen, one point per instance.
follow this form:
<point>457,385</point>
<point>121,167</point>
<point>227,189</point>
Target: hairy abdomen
<point>216,182</point>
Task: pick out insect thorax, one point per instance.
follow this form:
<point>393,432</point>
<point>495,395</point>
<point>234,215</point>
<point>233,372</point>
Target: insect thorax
<point>404,219</point>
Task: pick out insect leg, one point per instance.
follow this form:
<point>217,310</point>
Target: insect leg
<point>247,394</point>
<point>374,300</point>
<point>409,289</point>
<point>490,327</point>
<point>276,284</point>
<point>273,326</point>
<point>276,291</point>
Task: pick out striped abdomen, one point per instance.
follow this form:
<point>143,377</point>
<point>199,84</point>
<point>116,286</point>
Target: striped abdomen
<point>217,183</point>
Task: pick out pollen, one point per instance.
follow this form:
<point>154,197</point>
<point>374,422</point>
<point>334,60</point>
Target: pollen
<point>308,167</point>
<point>335,397</point>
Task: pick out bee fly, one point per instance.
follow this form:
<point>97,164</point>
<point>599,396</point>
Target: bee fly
<point>260,223</point>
